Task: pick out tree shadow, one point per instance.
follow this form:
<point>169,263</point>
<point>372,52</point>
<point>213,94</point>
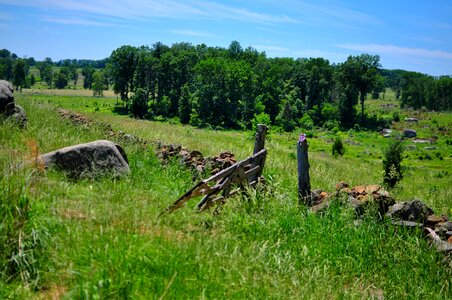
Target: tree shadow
<point>120,110</point>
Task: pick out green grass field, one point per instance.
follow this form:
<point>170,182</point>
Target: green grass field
<point>104,239</point>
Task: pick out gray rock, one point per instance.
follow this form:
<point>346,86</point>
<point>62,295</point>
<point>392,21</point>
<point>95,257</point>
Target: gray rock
<point>415,120</point>
<point>386,131</point>
<point>414,211</point>
<point>409,133</point>
<point>6,95</point>
<point>17,114</point>
<point>93,159</point>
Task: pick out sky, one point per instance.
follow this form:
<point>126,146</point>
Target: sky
<point>412,35</point>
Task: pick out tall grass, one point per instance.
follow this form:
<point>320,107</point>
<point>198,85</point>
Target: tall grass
<point>108,242</point>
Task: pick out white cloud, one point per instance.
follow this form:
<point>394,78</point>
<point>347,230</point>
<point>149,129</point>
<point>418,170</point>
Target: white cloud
<point>271,48</point>
<point>76,21</point>
<point>193,33</point>
<point>141,9</point>
<point>397,51</point>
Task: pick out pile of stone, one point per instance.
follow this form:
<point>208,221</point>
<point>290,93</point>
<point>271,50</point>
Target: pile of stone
<point>194,159</point>
<point>412,214</point>
<point>8,106</point>
<point>360,198</point>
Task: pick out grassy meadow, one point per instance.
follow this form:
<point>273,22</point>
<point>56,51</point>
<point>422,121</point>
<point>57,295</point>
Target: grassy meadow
<point>103,239</point>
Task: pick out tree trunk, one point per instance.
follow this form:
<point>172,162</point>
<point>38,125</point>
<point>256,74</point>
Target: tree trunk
<point>362,96</point>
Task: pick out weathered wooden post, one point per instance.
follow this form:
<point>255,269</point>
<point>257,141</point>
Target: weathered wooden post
<point>304,182</point>
<point>259,144</point>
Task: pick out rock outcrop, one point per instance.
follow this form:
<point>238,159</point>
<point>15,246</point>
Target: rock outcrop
<point>8,106</point>
<point>92,159</point>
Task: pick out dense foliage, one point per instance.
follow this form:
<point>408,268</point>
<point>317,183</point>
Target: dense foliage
<point>230,87</point>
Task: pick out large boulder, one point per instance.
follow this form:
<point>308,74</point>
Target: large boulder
<point>17,114</point>
<point>6,94</point>
<point>93,159</point>
<point>414,211</point>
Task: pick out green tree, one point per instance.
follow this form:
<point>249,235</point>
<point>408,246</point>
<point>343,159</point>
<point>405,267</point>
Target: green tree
<point>98,86</point>
<point>20,72</point>
<point>365,70</point>
<point>46,71</point>
<point>61,79</point>
<point>122,67</point>
<point>6,65</point>
<point>88,72</point>
<point>184,105</point>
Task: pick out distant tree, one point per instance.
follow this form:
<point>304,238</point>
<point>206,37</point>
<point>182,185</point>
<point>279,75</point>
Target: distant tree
<point>46,71</point>
<point>122,67</point>
<point>20,72</point>
<point>98,86</point>
<point>366,70</point>
<point>88,72</point>
<point>184,105</point>
<point>61,79</point>
<point>6,65</point>
<point>235,50</point>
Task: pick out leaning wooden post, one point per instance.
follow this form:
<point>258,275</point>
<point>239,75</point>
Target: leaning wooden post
<point>304,182</point>
<point>259,144</point>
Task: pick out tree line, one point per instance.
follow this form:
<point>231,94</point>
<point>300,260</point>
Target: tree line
<point>233,87</point>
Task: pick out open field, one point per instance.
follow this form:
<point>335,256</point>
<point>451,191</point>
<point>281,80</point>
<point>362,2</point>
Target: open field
<point>104,239</point>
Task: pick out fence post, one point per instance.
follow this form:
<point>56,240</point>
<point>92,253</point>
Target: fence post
<point>259,143</point>
<point>304,182</point>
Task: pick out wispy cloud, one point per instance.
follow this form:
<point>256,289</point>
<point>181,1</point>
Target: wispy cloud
<point>334,57</point>
<point>141,9</point>
<point>76,21</point>
<point>328,12</point>
<point>270,48</point>
<point>396,50</point>
<point>193,33</point>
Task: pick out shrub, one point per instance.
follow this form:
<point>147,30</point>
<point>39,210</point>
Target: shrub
<point>261,118</point>
<point>392,159</point>
<point>139,104</point>
<point>338,147</point>
<point>306,122</point>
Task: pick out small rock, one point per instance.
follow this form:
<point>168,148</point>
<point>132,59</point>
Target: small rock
<point>449,240</point>
<point>411,120</point>
<point>447,225</point>
<point>359,190</point>
<point>407,224</point>
<point>409,133</point>
<point>372,189</point>
<point>386,131</point>
<point>414,210</point>
<point>430,148</point>
<point>341,185</point>
<point>432,220</point>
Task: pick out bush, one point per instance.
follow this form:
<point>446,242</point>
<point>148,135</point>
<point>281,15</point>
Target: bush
<point>338,147</point>
<point>261,118</point>
<point>392,159</point>
<point>139,103</point>
<point>306,122</point>
<point>395,117</point>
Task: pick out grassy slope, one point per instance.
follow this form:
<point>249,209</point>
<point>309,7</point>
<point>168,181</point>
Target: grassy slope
<point>109,242</point>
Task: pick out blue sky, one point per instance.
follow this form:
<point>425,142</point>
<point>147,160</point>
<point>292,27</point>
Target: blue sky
<point>412,35</point>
